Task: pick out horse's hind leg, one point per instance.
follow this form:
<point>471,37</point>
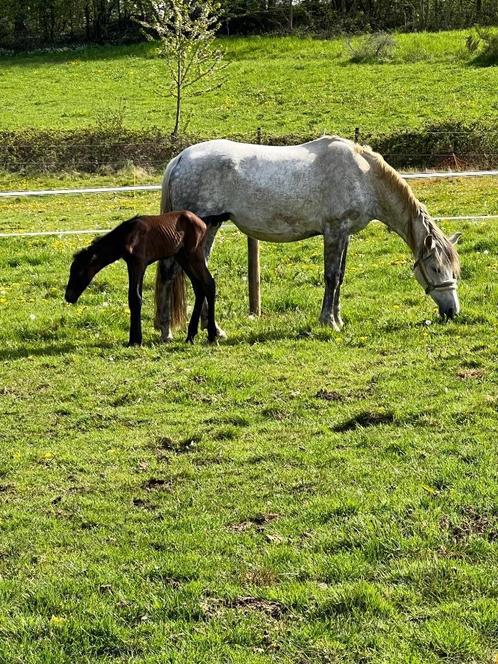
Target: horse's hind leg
<point>167,269</point>
<point>335,241</point>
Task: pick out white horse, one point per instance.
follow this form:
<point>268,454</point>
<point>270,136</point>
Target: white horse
<point>329,186</point>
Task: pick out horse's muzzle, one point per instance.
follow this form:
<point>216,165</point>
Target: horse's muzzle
<point>447,313</point>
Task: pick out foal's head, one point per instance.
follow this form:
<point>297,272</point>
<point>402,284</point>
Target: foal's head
<point>84,267</point>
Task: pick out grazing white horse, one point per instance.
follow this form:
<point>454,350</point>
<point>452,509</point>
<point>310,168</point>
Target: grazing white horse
<point>330,186</point>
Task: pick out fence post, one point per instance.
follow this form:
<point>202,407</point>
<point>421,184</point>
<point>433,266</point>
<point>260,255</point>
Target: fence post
<point>253,269</point>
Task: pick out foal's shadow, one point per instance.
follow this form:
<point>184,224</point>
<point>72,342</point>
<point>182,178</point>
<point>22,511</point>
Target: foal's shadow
<point>43,351</point>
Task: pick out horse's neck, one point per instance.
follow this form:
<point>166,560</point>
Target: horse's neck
<point>399,217</point>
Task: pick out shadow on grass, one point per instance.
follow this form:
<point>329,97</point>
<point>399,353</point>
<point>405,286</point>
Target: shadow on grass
<point>83,52</point>
<point>41,351</point>
<point>363,420</point>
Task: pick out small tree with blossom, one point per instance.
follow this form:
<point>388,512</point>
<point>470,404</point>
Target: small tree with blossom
<point>187,30</point>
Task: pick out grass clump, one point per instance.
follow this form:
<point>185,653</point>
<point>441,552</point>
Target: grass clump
<point>375,48</point>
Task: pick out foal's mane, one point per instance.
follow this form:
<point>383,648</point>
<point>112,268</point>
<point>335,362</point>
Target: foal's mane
<point>101,241</point>
<point>446,255</point>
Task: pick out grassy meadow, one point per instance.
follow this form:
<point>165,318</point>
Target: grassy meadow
<point>292,495</point>
<point>286,85</point>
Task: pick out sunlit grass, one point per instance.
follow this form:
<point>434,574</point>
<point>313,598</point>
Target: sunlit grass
<point>292,495</point>
<point>285,85</point>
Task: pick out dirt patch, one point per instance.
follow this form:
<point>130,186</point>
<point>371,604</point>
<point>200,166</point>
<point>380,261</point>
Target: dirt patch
<point>256,522</point>
<point>166,444</point>
<point>212,606</point>
<point>156,483</point>
<point>144,504</point>
<point>364,420</point>
<point>329,395</point>
<point>466,374</point>
<point>472,523</point>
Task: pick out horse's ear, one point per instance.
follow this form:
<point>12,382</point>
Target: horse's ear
<point>454,238</point>
<point>429,243</point>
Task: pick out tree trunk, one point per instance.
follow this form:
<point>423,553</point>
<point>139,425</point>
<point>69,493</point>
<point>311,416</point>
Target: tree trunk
<point>179,82</point>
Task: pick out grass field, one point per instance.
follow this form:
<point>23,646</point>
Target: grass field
<point>285,85</point>
<point>293,495</point>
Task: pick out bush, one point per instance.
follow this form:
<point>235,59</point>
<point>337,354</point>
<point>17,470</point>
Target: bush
<point>483,43</point>
<point>378,47</point>
<point>109,147</point>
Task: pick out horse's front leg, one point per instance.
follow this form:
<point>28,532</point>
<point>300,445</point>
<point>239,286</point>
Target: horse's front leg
<point>136,272</point>
<point>208,246</point>
<point>335,240</point>
<point>336,305</point>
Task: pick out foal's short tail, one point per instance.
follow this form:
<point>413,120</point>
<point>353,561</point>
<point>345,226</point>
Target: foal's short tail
<point>177,303</point>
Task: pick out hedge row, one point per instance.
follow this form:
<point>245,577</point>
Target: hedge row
<point>449,145</point>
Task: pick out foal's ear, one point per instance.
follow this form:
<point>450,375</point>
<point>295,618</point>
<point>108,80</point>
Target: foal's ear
<point>454,238</point>
<point>429,243</point>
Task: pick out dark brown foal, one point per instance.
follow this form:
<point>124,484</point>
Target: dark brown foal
<point>139,242</point>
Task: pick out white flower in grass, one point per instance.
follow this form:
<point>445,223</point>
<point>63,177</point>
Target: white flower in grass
<point>32,317</point>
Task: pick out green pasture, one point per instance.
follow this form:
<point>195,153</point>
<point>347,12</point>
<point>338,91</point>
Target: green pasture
<point>292,495</point>
<point>285,85</point>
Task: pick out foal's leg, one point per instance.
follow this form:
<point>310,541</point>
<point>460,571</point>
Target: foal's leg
<point>204,286</point>
<point>208,246</point>
<point>335,241</point>
<point>336,305</point>
<point>136,270</point>
<point>209,287</point>
<point>200,293</point>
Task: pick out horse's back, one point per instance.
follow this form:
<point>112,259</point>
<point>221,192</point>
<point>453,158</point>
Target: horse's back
<point>278,193</point>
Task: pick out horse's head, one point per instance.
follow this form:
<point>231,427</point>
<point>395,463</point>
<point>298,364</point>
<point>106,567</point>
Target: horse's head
<point>83,269</point>
<point>436,269</point>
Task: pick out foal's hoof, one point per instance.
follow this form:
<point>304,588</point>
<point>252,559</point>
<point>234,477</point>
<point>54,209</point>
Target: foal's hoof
<point>130,344</point>
<point>189,340</point>
<point>213,341</point>
<point>167,338</point>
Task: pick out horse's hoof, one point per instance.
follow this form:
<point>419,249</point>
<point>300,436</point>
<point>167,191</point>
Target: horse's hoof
<point>189,340</point>
<point>332,323</point>
<point>220,334</point>
<point>213,341</point>
<point>167,339</point>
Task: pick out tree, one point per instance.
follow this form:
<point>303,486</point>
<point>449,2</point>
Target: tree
<point>187,30</point>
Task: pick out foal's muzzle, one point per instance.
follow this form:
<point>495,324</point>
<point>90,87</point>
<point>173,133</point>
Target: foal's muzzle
<point>70,296</point>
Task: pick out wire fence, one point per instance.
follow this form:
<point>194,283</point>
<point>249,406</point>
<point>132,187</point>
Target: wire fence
<point>156,187</point>
<point>227,225</point>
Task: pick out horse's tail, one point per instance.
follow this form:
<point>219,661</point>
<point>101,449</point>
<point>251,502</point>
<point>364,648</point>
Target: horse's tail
<point>177,304</point>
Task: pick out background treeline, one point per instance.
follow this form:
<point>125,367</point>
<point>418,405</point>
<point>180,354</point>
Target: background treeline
<point>28,24</point>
